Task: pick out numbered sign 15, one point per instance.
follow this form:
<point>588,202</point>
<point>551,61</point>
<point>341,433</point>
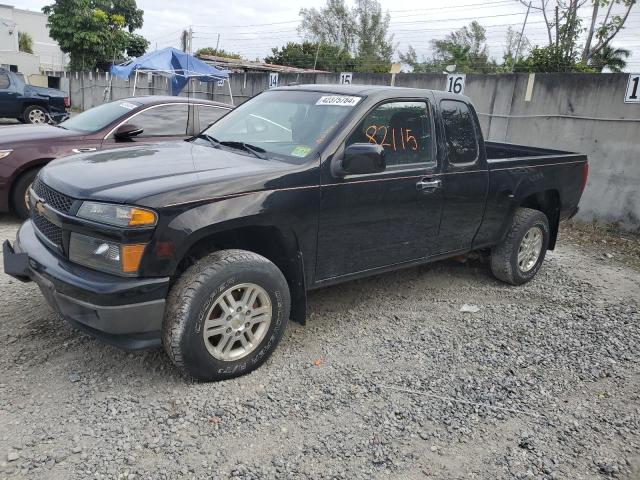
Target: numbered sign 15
<point>633,89</point>
<point>345,78</point>
<point>455,83</point>
<point>273,80</point>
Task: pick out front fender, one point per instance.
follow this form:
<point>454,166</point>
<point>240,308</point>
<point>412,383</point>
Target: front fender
<point>293,212</point>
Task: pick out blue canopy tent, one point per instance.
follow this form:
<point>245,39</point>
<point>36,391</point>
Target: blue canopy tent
<point>174,64</point>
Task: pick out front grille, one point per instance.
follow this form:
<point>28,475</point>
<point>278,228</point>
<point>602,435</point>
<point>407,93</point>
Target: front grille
<point>51,231</point>
<point>56,200</point>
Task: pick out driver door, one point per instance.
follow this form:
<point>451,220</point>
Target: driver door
<point>371,221</point>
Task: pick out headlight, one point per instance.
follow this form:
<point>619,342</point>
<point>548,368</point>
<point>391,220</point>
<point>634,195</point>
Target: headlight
<point>105,256</point>
<point>5,153</point>
<point>118,215</point>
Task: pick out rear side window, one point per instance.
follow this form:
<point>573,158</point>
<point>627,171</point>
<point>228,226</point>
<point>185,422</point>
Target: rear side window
<point>459,131</point>
<point>4,80</point>
<point>209,115</point>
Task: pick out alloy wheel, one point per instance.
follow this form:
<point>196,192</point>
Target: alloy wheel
<point>237,322</point>
<point>530,249</point>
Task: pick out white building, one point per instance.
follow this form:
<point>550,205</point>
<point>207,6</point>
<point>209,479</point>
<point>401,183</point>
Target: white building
<point>46,52</point>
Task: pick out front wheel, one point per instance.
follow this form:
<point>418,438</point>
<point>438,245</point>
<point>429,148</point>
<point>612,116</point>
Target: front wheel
<point>20,193</point>
<point>520,255</point>
<point>225,315</point>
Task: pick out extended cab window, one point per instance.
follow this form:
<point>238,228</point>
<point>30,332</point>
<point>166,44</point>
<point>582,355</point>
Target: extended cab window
<point>403,129</point>
<point>4,80</point>
<point>459,130</point>
<point>165,120</point>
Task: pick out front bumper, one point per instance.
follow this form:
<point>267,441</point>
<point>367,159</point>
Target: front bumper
<point>126,312</point>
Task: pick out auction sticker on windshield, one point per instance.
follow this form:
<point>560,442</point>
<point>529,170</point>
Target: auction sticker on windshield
<point>128,106</point>
<point>341,100</point>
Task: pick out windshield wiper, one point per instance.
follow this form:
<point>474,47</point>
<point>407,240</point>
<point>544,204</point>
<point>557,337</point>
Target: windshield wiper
<point>247,147</point>
<point>213,141</point>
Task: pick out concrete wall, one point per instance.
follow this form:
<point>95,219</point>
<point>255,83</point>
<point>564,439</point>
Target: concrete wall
<point>612,144</point>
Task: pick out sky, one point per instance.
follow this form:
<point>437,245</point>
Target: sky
<point>253,27</point>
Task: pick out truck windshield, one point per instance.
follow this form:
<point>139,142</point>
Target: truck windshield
<point>99,117</point>
<point>285,124</point>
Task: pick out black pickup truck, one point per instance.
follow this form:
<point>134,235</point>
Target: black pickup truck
<point>28,103</point>
<point>209,246</point>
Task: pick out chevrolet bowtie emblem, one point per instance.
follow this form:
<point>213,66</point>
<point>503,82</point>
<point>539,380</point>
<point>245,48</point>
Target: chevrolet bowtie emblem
<point>40,206</point>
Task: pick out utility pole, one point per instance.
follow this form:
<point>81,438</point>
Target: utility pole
<point>183,41</point>
<point>217,43</point>
<point>190,39</point>
<point>317,51</point>
<point>515,58</point>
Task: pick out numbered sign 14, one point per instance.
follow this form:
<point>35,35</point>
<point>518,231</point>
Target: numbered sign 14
<point>633,89</point>
<point>455,83</point>
<point>345,78</point>
<point>273,80</point>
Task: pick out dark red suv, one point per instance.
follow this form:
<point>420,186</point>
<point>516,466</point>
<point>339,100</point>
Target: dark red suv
<point>24,149</point>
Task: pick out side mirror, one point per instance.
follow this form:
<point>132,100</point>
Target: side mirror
<point>361,158</point>
<point>127,131</point>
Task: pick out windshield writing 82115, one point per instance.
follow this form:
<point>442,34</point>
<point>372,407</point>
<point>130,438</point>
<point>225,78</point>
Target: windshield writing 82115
<point>395,138</point>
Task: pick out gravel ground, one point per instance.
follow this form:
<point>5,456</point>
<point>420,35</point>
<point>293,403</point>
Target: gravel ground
<point>389,379</point>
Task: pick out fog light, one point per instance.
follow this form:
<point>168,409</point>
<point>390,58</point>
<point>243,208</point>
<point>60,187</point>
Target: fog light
<point>105,256</point>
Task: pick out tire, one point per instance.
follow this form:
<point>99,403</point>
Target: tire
<point>35,114</point>
<point>19,191</point>
<point>505,262</point>
<point>196,298</point>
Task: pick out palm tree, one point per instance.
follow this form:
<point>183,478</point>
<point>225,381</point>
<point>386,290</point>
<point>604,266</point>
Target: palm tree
<point>609,57</point>
<point>25,42</point>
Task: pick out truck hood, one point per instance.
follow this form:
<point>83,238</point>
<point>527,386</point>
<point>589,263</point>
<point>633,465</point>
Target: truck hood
<point>159,174</point>
<point>12,134</point>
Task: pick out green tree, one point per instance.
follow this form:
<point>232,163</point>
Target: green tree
<point>551,59</point>
<point>362,31</point>
<point>94,32</point>
<point>331,58</point>
<point>513,39</point>
<point>136,45</point>
<point>25,42</point>
<point>334,25</point>
<point>615,59</point>
<point>217,53</point>
<point>374,45</point>
<point>564,26</point>
<point>466,48</point>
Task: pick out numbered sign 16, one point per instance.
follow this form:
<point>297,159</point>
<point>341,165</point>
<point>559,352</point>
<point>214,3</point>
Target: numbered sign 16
<point>633,89</point>
<point>273,80</point>
<point>455,83</point>
<point>345,78</point>
<point>220,83</point>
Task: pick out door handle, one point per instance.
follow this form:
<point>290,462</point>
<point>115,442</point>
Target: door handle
<point>428,185</point>
<point>84,150</point>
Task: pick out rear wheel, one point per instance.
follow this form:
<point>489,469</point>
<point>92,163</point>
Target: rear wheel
<point>20,193</point>
<point>225,315</point>
<point>520,255</point>
<point>35,114</point>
